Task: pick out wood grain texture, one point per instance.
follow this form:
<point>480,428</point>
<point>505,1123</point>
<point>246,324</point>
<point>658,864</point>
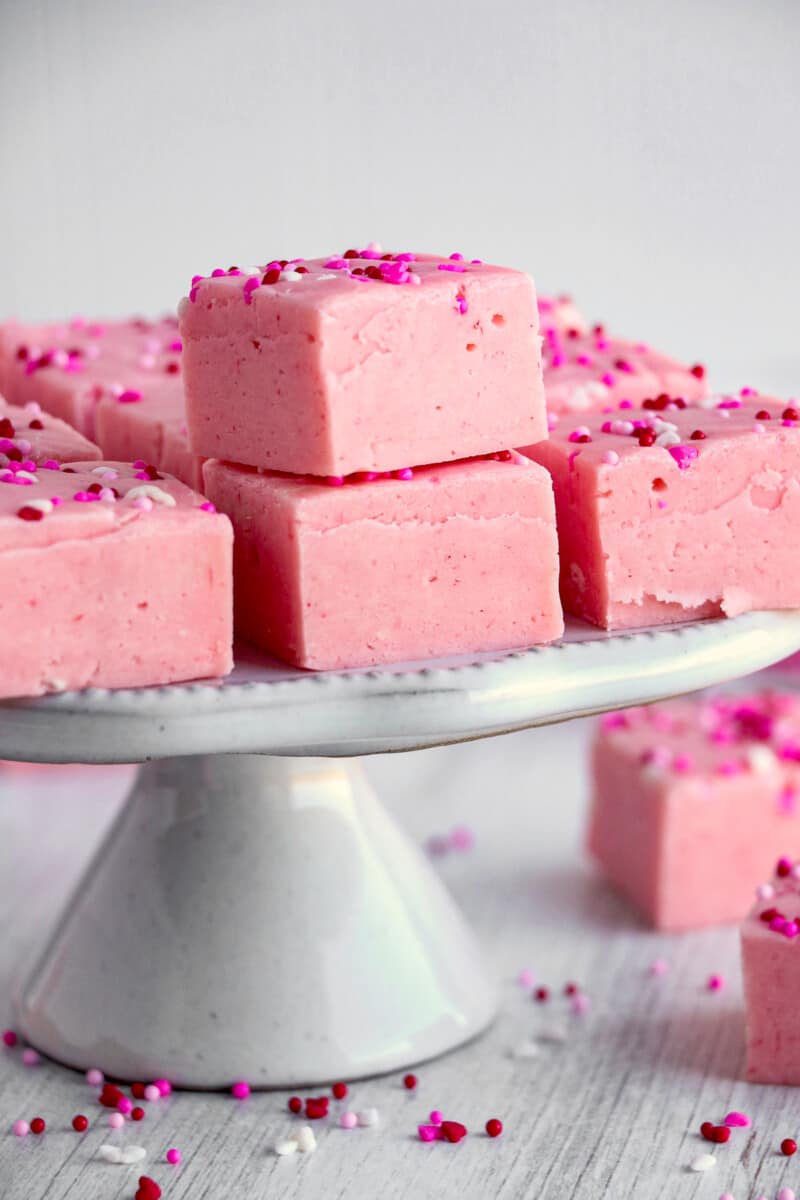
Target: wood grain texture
<point>609,1105</point>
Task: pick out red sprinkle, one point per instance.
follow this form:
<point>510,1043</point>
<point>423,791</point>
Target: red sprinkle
<point>80,1123</point>
<point>698,370</point>
<point>339,1090</point>
<point>763,415</point>
<point>409,1082</point>
<point>707,1130</point>
<point>148,1189</point>
<point>29,513</point>
<point>698,435</point>
<point>295,1104</point>
<point>494,1127</point>
<point>9,1038</point>
<point>453,1131</point>
<point>272,276</point>
<point>570,989</point>
<point>137,1114</point>
<point>790,414</point>
<point>137,1091</point>
<point>783,867</point>
<point>788,1145</point>
<point>720,1134</point>
<point>38,1126</point>
<point>541,995</point>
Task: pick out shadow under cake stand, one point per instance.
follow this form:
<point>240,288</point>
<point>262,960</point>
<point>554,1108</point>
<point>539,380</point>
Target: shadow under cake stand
<point>254,912</point>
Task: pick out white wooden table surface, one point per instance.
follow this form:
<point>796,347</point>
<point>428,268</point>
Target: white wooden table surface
<point>608,1106</point>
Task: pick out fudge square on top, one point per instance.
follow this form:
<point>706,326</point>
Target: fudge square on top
<point>441,560</point>
<point>771,971</point>
<point>678,511</point>
<point>361,362</point>
<point>672,779</point>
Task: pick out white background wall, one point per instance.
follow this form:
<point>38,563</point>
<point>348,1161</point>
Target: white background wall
<point>643,154</point>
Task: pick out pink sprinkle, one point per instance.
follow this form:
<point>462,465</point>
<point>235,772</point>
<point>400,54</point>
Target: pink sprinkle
<point>152,1093</point>
<point>526,979</point>
<point>450,266</point>
<point>608,379</point>
<point>405,473</point>
<point>558,359</point>
<point>429,1133</point>
<point>240,1090</point>
<point>682,763</point>
<point>94,1077</point>
<point>786,1193</point>
<point>348,1120</point>
<point>124,1105</point>
<point>20,1129</point>
<point>173,1156</point>
<point>129,396</point>
<point>765,891</point>
<point>462,838</point>
<point>684,455</point>
<point>737,1120</point>
<point>164,1086</point>
<point>334,480</point>
<point>436,1117</point>
<point>658,966</point>
<point>143,503</point>
<point>9,1037</point>
<point>580,1004</point>
<point>791,929</point>
<point>209,508</point>
<point>116,1120</point>
<point>31,1057</point>
<point>715,983</point>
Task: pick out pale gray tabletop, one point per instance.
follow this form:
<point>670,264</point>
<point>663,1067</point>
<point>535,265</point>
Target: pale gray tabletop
<point>608,1106</point>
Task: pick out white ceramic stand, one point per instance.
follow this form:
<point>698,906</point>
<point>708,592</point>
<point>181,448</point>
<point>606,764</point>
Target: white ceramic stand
<point>261,918</point>
<point>255,918</point>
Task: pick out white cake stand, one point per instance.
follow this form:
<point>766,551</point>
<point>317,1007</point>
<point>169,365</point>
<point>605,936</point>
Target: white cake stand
<point>254,913</point>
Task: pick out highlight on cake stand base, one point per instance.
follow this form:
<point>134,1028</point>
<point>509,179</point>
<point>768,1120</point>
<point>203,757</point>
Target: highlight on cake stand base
<point>254,913</point>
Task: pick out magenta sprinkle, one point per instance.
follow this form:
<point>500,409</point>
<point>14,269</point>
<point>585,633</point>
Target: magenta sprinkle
<point>129,396</point>
<point>737,1120</point>
<point>240,1090</point>
<point>684,455</point>
<point>9,1038</point>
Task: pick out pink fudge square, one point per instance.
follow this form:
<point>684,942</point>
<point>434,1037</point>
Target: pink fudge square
<point>672,780</point>
<point>559,316</point>
<point>328,372</point>
<point>71,367</point>
<point>588,371</point>
<point>29,434</point>
<point>458,559</point>
<point>154,429</point>
<point>110,579</point>
<point>700,523</point>
<point>771,972</point>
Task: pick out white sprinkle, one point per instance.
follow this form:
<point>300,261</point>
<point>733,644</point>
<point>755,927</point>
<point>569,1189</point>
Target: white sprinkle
<point>107,494</point>
<point>45,506</point>
<point>368,1117</point>
<point>703,1162</point>
<point>151,492</point>
<point>143,503</point>
<point>132,1154</point>
<point>24,445</point>
<point>26,475</point>
<point>111,1154</point>
<point>286,1146</point>
<point>252,270</point>
<point>761,759</point>
<point>306,1141</point>
<point>611,458</point>
<point>291,275</point>
<point>667,438</point>
<point>105,472</point>
<point>33,408</point>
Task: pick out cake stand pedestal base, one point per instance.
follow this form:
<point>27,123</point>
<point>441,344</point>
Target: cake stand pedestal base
<point>257,918</point>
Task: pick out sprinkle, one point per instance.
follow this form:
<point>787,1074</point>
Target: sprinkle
<point>368,1117</point>
<point>580,1004</point>
<point>148,1189</point>
<point>436,1117</point>
<point>173,1156</point>
<point>339,1091</point>
<point>429,1133</point>
<point>149,491</point>
<point>208,507</point>
<point>703,1162</point>
<point>306,1141</point>
<point>409,1082</point>
<point>285,1146</point>
<point>526,977</point>
<point>240,1090</point>
<point>80,1123</point>
<point>94,1077</point>
<point>152,1092</point>
<point>129,396</point>
<point>132,1154</point>
<point>658,966</point>
<point>110,1154</point>
<point>38,1126</point>
<point>20,1129</point>
<point>786,1193</point>
<point>453,1131</point>
<point>738,1120</point>
<point>684,455</point>
<point>611,458</point>
<point>348,1120</point>
<point>9,1038</point>
<point>116,1120</point>
<point>494,1127</point>
<point>788,1145</point>
<point>124,1105</point>
<point>715,983</point>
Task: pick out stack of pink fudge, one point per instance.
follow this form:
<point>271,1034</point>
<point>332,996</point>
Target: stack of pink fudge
<point>358,413</point>
<point>672,779</point>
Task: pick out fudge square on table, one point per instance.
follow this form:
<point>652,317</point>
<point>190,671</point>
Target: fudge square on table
<point>440,560</point>
<point>771,971</point>
<point>364,362</point>
<point>672,780</point>
<point>678,511</point>
<point>29,435</point>
<point>110,577</point>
